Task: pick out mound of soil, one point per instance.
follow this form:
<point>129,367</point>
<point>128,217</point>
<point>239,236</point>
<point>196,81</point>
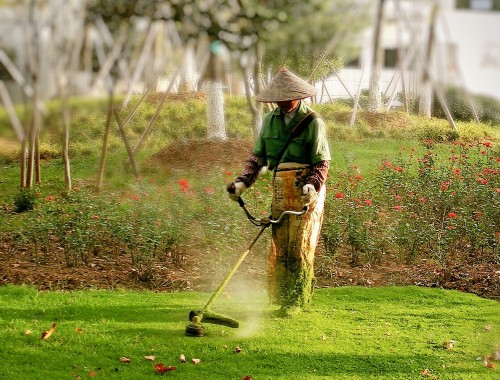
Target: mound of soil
<point>203,154</point>
<point>19,266</point>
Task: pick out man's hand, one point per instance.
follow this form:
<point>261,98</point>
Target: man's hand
<point>235,189</point>
<point>310,194</point>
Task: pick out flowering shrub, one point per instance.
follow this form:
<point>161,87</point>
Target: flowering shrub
<point>419,206</point>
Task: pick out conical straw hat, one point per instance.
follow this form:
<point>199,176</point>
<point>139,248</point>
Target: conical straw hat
<point>286,86</point>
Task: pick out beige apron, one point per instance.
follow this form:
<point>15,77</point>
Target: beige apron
<point>294,240</point>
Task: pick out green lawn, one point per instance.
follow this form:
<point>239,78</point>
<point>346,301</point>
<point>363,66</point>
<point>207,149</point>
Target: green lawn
<point>348,333</point>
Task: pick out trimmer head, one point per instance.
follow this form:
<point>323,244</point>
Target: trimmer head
<point>195,328</point>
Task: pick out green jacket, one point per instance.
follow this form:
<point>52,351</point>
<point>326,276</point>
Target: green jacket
<point>309,147</point>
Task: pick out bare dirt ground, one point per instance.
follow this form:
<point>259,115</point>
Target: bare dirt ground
<point>17,266</point>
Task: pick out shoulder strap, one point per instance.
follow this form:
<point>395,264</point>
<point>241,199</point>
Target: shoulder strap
<point>301,125</point>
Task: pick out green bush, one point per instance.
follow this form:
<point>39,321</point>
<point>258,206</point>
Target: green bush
<point>25,200</point>
<point>487,107</point>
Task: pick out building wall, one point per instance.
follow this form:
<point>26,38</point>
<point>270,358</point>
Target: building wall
<point>466,53</point>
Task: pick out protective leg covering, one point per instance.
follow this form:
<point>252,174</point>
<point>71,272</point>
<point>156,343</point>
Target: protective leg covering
<point>294,240</point>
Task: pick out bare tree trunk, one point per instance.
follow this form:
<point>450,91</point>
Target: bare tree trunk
<point>425,102</point>
<point>9,106</point>
<point>255,107</point>
<point>187,75</point>
<point>212,86</point>
<point>374,100</point>
<point>34,67</point>
<point>127,145</point>
<point>105,140</point>
<point>65,117</point>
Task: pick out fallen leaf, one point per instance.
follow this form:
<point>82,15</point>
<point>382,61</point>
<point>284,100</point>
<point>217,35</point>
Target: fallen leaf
<point>28,332</point>
<point>246,377</point>
<point>150,357</point>
<point>237,349</point>
<point>46,334</point>
<point>488,327</point>
<point>426,372</point>
<point>448,345</point>
<point>488,364</point>
<point>496,356</point>
<point>160,368</point>
<point>196,361</point>
<point>92,374</point>
<point>124,359</point>
<point>79,330</point>
<point>182,358</point>
<point>225,347</point>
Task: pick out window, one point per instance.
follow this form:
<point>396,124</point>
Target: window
<point>479,5</point>
<point>390,57</point>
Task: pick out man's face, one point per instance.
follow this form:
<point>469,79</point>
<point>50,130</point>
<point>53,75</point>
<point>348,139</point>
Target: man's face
<point>288,105</point>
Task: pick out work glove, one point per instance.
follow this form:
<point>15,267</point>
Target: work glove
<point>309,194</point>
<point>235,189</point>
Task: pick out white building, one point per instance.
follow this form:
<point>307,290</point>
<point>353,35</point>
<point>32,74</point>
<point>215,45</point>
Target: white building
<point>466,52</point>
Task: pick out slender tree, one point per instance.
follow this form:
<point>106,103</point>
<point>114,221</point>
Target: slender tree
<point>374,97</point>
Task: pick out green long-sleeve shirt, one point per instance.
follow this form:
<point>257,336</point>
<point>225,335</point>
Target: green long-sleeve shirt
<point>309,147</point>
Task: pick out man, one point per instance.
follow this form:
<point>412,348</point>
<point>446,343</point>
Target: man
<point>300,167</point>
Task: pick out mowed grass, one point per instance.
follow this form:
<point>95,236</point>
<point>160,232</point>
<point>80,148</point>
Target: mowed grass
<point>348,333</point>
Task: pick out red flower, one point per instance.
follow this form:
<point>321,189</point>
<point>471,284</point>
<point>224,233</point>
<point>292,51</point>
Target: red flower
<point>95,217</point>
<point>452,215</point>
<point>398,208</point>
<point>368,202</point>
<point>451,227</point>
<point>359,177</point>
<point>184,185</point>
<point>482,181</point>
<point>399,169</point>
<point>208,190</point>
<point>339,195</point>
<point>487,144</point>
<point>445,185</point>
<point>50,198</point>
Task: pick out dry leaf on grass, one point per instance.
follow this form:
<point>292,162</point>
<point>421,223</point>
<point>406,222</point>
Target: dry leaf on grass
<point>488,363</point>
<point>150,357</point>
<point>448,345</point>
<point>28,332</point>
<point>161,368</point>
<point>79,330</point>
<point>246,377</point>
<point>124,359</point>
<point>196,361</point>
<point>426,372</point>
<point>46,334</point>
<point>237,349</point>
<point>182,358</point>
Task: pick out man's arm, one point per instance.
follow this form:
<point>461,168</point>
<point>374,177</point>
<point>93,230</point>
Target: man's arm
<point>319,173</point>
<point>251,170</point>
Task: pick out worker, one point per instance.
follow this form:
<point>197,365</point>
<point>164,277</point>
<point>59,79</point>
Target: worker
<point>300,167</point>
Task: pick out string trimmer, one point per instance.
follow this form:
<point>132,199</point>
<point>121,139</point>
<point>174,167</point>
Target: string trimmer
<point>195,328</point>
